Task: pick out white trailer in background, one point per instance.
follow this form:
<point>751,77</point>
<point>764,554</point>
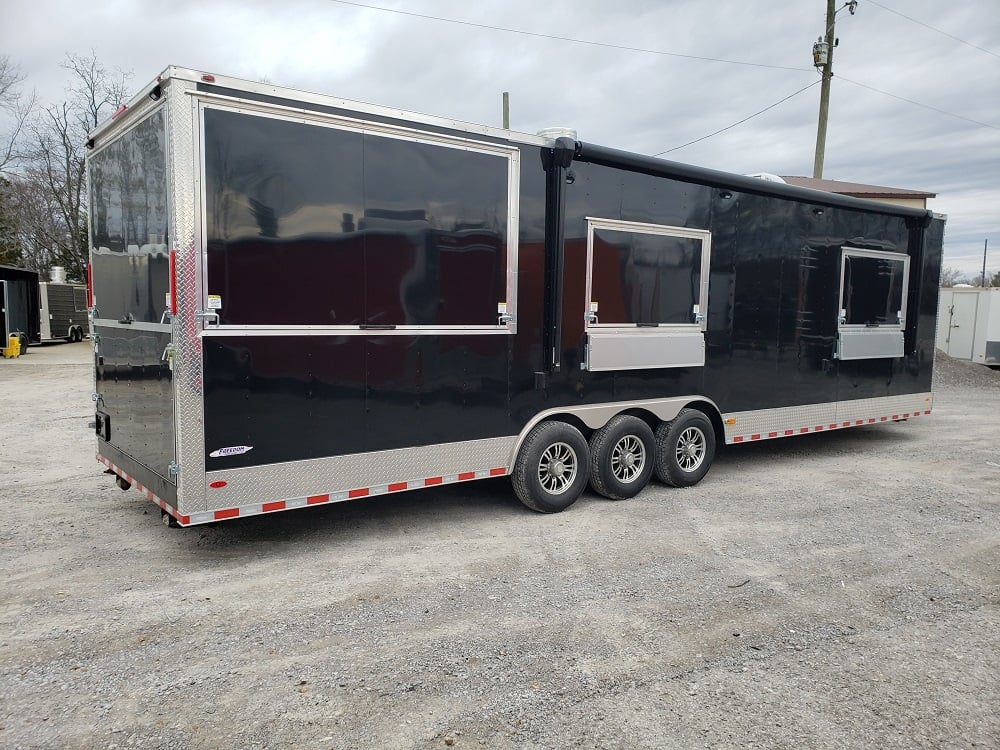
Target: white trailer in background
<point>969,324</point>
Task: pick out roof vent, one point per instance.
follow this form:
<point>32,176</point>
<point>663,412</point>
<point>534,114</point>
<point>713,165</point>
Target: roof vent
<point>553,133</point>
<point>768,177</point>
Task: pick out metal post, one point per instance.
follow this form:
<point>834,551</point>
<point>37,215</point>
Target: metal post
<point>506,110</point>
<point>824,96</point>
<point>986,243</point>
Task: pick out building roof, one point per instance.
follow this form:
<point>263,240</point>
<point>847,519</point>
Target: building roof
<point>855,189</point>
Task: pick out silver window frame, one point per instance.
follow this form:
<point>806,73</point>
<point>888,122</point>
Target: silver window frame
<point>856,252</point>
<point>618,225</point>
<point>506,322</point>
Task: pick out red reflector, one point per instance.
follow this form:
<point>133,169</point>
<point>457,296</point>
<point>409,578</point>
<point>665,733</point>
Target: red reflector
<point>228,513</point>
<point>268,507</point>
<point>173,283</point>
<point>465,476</point>
<point>397,487</point>
<point>90,285</point>
<point>119,111</point>
<point>217,485</point>
<point>358,493</point>
<point>497,472</point>
<point>315,499</point>
<point>208,78</point>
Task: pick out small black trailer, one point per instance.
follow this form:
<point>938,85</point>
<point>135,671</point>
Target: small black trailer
<point>19,306</point>
<point>63,311</point>
<point>299,299</point>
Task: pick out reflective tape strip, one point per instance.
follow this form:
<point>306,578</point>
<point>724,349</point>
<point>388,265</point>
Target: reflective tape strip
<point>299,502</point>
<point>164,505</point>
<point>826,427</point>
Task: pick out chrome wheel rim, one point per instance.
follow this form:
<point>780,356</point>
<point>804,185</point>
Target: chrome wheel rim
<point>628,458</point>
<point>690,451</point>
<point>558,468</point>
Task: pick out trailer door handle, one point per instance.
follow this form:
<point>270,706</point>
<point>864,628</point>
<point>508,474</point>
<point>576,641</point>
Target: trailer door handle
<point>377,327</point>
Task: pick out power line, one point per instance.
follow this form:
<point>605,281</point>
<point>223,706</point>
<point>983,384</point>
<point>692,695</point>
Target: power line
<point>608,45</point>
<point>556,37</point>
<point>934,28</point>
<point>919,104</point>
<point>749,117</point>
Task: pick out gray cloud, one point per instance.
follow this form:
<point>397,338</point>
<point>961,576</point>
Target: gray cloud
<point>626,99</point>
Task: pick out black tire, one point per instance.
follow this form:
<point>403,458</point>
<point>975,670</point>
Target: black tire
<point>552,467</point>
<point>685,448</point>
<point>621,457</point>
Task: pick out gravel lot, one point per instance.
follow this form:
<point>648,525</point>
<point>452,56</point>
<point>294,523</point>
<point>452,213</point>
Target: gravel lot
<point>836,590</point>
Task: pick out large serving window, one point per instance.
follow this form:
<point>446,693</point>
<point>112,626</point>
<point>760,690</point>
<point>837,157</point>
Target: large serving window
<point>872,316</point>
<point>312,222</point>
<point>647,292</point>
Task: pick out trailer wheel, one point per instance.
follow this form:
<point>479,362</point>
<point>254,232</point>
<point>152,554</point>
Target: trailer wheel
<point>621,457</point>
<point>552,467</point>
<point>685,448</point>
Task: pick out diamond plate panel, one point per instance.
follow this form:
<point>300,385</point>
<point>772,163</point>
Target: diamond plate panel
<point>762,424</point>
<point>340,474</point>
<point>189,411</point>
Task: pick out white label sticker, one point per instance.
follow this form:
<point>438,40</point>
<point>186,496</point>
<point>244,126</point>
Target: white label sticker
<point>215,302</point>
<point>501,308</point>
<point>167,301</point>
<point>235,450</point>
<point>593,307</point>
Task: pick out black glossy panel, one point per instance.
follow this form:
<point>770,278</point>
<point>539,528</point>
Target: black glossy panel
<point>316,225</point>
<point>645,279</point>
<point>137,393</point>
<point>128,220</point>
<point>293,398</point>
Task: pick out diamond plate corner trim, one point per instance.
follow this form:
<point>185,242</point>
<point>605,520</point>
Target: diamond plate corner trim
<point>341,474</point>
<point>189,410</point>
<point>766,424</point>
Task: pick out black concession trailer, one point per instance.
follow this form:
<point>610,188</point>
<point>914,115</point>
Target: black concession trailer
<point>299,299</point>
<point>63,311</point>
<point>19,306</point>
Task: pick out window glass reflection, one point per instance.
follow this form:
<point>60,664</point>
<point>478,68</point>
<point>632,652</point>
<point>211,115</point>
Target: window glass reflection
<point>645,279</point>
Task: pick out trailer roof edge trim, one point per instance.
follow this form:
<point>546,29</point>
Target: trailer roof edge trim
<point>611,157</point>
<point>299,96</point>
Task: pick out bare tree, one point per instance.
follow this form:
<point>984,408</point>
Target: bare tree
<point>59,135</point>
<point>951,276</point>
<point>15,108</point>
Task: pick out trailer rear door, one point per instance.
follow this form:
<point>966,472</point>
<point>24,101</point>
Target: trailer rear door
<point>131,280</point>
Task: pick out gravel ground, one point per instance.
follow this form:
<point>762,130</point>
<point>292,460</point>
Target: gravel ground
<point>836,590</point>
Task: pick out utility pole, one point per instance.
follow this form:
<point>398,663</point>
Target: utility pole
<point>823,60</point>
<point>986,244</point>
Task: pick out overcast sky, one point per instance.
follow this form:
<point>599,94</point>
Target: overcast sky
<point>648,99</point>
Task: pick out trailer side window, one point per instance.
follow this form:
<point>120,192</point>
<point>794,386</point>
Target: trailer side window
<point>873,287</point>
<point>356,225</point>
<point>647,291</point>
<point>128,223</point>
